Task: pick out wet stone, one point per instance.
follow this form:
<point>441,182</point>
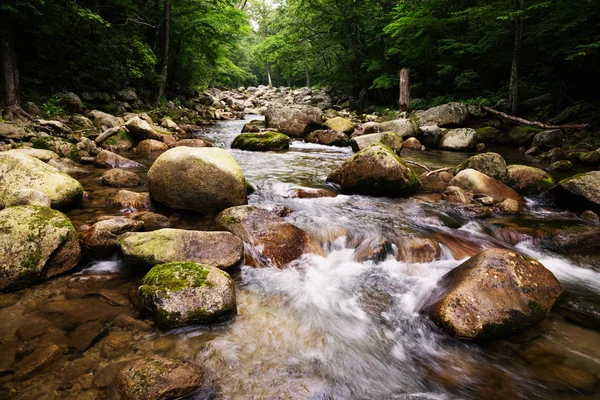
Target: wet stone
<point>43,355</point>
<point>85,336</point>
<point>116,344</point>
<point>163,344</point>
<point>114,298</point>
<point>128,322</point>
<point>32,328</point>
<point>105,376</point>
<point>9,299</point>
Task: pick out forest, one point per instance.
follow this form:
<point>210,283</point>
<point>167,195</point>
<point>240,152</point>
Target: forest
<point>468,50</point>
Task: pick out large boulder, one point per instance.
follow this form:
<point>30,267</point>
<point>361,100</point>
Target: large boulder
<point>261,141</point>
<point>160,378</point>
<point>496,293</point>
<point>293,121</point>
<point>461,139</point>
<point>491,164</point>
<point>390,139</point>
<point>40,154</point>
<point>340,124</point>
<point>216,249</point>
<point>36,243</point>
<point>378,171</point>
<point>328,137</point>
<point>454,114</point>
<point>480,184</point>
<point>142,129</point>
<point>180,294</point>
<point>19,171</point>
<point>579,192</point>
<point>27,197</point>
<point>272,240</point>
<point>528,180</point>
<point>204,180</point>
<point>403,127</point>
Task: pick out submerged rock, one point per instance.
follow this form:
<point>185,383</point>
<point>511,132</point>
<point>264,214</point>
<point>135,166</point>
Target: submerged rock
<point>151,145</point>
<point>528,180</point>
<point>376,170</point>
<point>496,293</point>
<point>491,164</point>
<point>273,240</point>
<point>204,180</point>
<point>262,141</point>
<point>36,243</point>
<point>293,121</point>
<point>19,171</point>
<point>328,137</point>
<point>179,294</point>
<point>390,139</point>
<point>216,249</point>
<point>579,192</point>
<point>161,378</point>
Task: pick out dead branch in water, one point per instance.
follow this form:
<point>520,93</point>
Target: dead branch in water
<point>536,123</point>
<point>439,170</point>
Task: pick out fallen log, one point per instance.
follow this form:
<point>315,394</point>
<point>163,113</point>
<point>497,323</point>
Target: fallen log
<point>536,123</point>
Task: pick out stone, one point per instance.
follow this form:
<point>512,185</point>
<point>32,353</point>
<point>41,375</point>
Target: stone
<point>454,194</point>
<point>522,135</point>
<point>412,144</point>
<point>253,126</point>
<point>118,178</point>
<point>390,139</point>
<point>579,192</point>
<point>560,166</point>
<point>81,121</point>
<point>461,139</point>
<point>403,127</point>
<point>152,221</point>
<point>340,124</point>
<point>163,345</point>
<point>13,131</point>
<point>95,97</point>
<point>272,241</point>
<point>419,250</point>
<point>487,134</point>
<point>480,184</point>
<point>376,170</point>
<point>590,216</point>
<point>179,294</point>
<point>262,141</point>
<point>59,146</point>
<point>453,114</point>
<point>127,95</point>
<point>204,180</point>
<point>69,167</point>
<point>132,200</point>
<point>24,197</point>
<point>108,133</point>
<point>104,121</point>
<point>19,171</point>
<point>192,143</point>
<point>310,193</point>
<point>509,206</point>
<point>491,164</point>
<point>150,145</point>
<point>430,135</point>
<point>560,377</point>
<point>36,243</point>
<point>43,355</point>
<point>548,139</point>
<point>122,140</point>
<point>216,249</point>
<point>375,250</point>
<point>108,159</point>
<point>528,180</point>
<point>435,183</point>
<point>328,137</point>
<point>102,238</point>
<point>580,310</point>
<point>142,129</point>
<point>496,293</point>
<point>550,156</point>
<point>40,154</point>
<point>116,344</point>
<point>57,128</point>
<point>293,121</point>
<point>85,336</point>
<point>160,378</point>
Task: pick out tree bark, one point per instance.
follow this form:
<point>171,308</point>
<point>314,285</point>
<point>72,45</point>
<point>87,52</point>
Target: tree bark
<point>404,90</point>
<point>8,65</point>
<point>164,64</point>
<point>536,123</point>
<point>269,74</point>
<point>513,91</point>
<point>307,75</point>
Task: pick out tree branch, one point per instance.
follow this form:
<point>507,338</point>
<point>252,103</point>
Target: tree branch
<point>536,123</point>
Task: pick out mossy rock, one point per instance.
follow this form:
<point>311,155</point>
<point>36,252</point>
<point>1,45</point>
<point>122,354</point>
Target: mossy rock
<point>340,124</point>
<point>261,141</point>
<point>376,170</point>
<point>59,146</point>
<point>180,294</point>
<point>522,135</point>
<point>491,164</point>
<point>487,134</point>
<point>20,171</point>
<point>35,243</point>
<point>121,141</point>
<point>580,192</point>
<point>528,180</point>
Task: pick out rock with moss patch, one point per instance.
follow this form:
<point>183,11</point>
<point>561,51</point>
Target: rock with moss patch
<point>253,126</point>
<point>19,171</point>
<point>451,114</point>
<point>480,184</point>
<point>491,164</point>
<point>40,154</point>
<point>216,249</point>
<point>102,238</point>
<point>205,180</point>
<point>390,139</point>
<point>461,139</point>
<point>180,294</point>
<point>496,293</point>
<point>579,192</point>
<point>161,378</point>
<point>142,129</point>
<point>550,156</point>
<point>560,166</point>
<point>118,178</point>
<point>271,240</point>
<point>548,139</point>
<point>487,134</point>
<point>294,121</point>
<point>36,243</point>
<point>328,137</point>
<point>403,127</point>
<point>25,197</point>
<point>58,146</point>
<point>108,159</point>
<point>13,131</point>
<point>528,180</point>
<point>340,124</point>
<point>122,140</point>
<point>261,141</point>
<point>378,171</point>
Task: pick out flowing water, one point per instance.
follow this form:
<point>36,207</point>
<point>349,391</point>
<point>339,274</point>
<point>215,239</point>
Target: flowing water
<point>326,327</point>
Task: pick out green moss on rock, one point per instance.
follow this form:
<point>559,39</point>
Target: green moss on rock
<point>262,141</point>
<point>174,277</point>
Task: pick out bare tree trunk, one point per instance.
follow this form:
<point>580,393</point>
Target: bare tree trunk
<point>513,91</point>
<point>289,81</point>
<point>164,64</point>
<point>307,75</point>
<point>9,70</point>
<point>269,74</point>
<point>404,90</point>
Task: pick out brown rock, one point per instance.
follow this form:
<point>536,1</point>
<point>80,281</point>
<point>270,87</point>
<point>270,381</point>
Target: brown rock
<point>310,193</point>
<point>116,344</point>
<point>151,145</point>
<point>419,250</point>
<point>118,178</point>
<point>108,159</point>
<point>132,200</point>
<point>435,183</point>
<point>412,144</point>
<point>85,336</point>
<point>192,143</point>
<point>43,355</point>
<point>480,184</point>
<point>454,194</point>
<point>101,238</point>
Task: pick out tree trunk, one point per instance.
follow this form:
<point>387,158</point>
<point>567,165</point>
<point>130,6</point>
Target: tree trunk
<point>513,91</point>
<point>289,81</point>
<point>307,75</point>
<point>164,64</point>
<point>269,74</point>
<point>404,90</point>
<point>10,72</point>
